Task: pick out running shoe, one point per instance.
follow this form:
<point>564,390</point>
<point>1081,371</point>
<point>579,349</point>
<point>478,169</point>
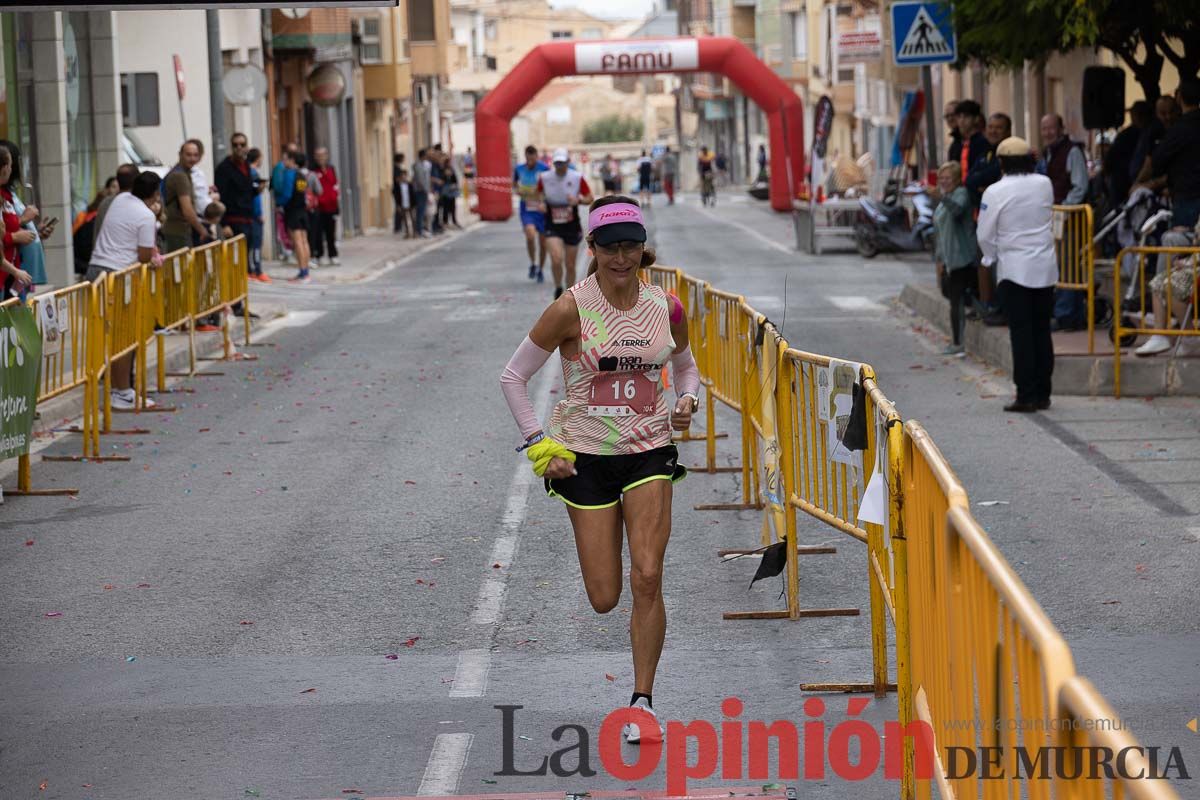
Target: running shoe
<point>533,271</point>
<point>302,277</point>
<point>123,399</point>
<point>207,327</point>
<point>954,350</point>
<point>541,278</point>
<point>632,731</point>
<point>333,262</point>
<point>264,278</point>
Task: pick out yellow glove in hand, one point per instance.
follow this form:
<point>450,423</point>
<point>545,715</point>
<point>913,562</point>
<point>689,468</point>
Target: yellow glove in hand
<point>541,453</point>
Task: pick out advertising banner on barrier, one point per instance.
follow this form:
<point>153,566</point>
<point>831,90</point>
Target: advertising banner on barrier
<point>20,368</point>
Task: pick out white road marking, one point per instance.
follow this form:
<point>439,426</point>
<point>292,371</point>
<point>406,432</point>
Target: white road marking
<point>471,313</point>
<point>296,319</point>
<point>855,303</point>
<point>764,239</point>
<point>438,245</point>
<point>490,601</point>
<point>446,764</point>
<point>471,675</point>
<point>490,604</point>
<point>375,316</point>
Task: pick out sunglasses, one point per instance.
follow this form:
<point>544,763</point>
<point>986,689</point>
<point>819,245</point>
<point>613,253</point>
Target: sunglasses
<point>620,248</point>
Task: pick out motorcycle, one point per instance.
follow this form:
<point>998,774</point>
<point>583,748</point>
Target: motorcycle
<point>884,225</point>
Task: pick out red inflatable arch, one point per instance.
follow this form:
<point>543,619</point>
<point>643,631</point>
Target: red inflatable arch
<point>719,54</point>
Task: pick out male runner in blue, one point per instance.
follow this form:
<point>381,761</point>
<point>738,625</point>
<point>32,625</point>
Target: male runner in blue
<point>533,217</point>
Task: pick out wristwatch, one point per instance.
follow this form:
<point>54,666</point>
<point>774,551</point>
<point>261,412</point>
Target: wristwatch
<point>695,400</point>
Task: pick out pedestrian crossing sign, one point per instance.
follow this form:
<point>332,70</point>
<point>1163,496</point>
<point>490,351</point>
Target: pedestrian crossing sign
<point>922,34</point>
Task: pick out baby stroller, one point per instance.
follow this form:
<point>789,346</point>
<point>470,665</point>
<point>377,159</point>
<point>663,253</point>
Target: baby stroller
<point>1141,222</point>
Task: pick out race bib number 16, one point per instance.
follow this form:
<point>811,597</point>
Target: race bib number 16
<point>621,394</point>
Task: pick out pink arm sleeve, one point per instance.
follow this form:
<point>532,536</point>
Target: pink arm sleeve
<point>687,375</point>
<point>528,359</point>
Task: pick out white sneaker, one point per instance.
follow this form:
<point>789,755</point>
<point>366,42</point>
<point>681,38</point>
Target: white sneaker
<point>1154,345</point>
<point>150,403</point>
<point>333,262</point>
<point>123,399</point>
<point>632,732</point>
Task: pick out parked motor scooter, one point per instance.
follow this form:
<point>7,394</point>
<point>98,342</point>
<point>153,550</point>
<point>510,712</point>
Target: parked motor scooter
<point>883,226</point>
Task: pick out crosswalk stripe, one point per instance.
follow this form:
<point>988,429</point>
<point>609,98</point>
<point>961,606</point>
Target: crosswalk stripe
<point>855,303</point>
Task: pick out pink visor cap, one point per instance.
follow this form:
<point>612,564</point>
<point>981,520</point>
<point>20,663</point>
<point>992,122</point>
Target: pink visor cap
<point>617,222</point>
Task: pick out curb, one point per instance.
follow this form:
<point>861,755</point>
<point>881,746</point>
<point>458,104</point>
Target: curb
<point>1083,375</point>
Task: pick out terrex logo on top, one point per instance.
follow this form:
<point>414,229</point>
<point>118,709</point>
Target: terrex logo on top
<point>646,55</point>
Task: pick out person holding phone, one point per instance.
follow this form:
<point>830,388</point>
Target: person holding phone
<point>33,259</point>
<point>15,236</point>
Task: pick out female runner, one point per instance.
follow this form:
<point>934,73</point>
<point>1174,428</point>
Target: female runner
<point>607,451</point>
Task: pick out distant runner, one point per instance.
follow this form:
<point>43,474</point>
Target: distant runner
<point>533,219</point>
<point>562,190</point>
<point>645,168</point>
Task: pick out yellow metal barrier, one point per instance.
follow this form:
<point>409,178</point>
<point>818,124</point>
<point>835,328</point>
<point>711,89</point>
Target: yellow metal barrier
<point>727,338</point>
<point>206,263</point>
<point>1076,267</point>
<point>1088,721</point>
<point>1170,270</point>
<point>822,488</point>
<point>235,284</point>
<point>117,316</point>
<point>173,308</point>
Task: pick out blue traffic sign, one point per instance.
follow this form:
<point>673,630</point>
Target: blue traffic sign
<point>923,33</point>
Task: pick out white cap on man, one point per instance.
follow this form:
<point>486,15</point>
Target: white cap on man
<point>561,156</point>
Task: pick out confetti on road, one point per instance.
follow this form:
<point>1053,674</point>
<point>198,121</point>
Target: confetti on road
<point>309,690</point>
<point>53,613</point>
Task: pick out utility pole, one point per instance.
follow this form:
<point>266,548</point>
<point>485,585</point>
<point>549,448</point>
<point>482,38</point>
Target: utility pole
<point>216,96</point>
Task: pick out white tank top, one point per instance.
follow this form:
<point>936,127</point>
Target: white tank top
<point>558,189</point>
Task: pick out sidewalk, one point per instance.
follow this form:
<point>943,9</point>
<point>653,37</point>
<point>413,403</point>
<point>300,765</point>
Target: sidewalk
<point>1076,372</point>
<point>361,256</point>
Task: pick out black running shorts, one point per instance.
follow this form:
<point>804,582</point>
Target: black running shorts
<point>601,480</point>
<point>570,232</point>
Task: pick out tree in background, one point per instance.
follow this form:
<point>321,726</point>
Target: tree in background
<point>1145,34</point>
<point>613,128</point>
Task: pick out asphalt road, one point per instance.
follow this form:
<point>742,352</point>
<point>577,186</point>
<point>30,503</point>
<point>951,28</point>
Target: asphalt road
<point>327,570</point>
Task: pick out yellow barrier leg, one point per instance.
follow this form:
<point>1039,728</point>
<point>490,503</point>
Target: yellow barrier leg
<point>710,415</point>
<point>25,483</point>
<point>879,659</point>
<point>161,349</point>
<point>24,474</point>
<point>246,318</point>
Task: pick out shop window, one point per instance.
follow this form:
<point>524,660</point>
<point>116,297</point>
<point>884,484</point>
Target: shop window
<point>560,34</point>
<point>139,99</point>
